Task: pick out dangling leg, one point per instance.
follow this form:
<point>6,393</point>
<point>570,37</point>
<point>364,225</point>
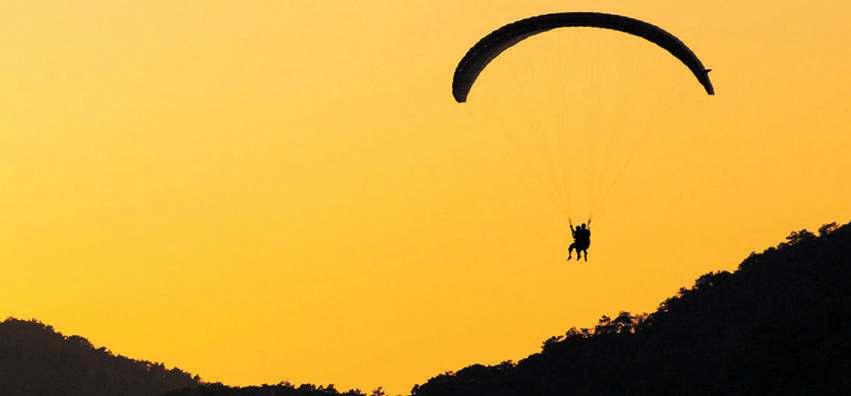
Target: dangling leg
<point>570,251</point>
<point>586,254</point>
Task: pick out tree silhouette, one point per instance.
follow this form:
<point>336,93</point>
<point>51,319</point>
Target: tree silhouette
<point>778,325</point>
<point>280,389</point>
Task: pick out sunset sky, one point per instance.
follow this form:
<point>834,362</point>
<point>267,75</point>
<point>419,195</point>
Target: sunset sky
<point>259,191</point>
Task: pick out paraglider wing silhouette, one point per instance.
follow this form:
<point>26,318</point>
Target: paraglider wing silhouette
<point>489,47</point>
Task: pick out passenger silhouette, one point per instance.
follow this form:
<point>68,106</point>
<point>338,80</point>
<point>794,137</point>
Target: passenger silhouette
<point>572,246</point>
<point>581,241</point>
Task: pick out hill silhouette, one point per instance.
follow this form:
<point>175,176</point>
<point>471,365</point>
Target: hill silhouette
<point>780,324</point>
<point>36,360</point>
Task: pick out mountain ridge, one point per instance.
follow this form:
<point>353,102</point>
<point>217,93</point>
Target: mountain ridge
<point>779,324</point>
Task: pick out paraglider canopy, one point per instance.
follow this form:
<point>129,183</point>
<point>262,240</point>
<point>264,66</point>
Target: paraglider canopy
<point>489,47</point>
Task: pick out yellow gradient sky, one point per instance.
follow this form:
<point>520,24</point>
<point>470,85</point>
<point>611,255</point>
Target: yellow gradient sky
<point>265,190</point>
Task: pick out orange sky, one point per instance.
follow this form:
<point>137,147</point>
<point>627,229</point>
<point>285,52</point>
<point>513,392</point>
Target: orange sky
<point>267,190</point>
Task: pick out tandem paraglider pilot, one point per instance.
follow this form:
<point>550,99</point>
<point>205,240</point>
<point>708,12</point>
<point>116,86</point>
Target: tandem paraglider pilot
<point>581,240</point>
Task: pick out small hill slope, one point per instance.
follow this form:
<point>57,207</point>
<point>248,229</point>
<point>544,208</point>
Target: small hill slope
<point>35,360</point>
<point>780,324</point>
